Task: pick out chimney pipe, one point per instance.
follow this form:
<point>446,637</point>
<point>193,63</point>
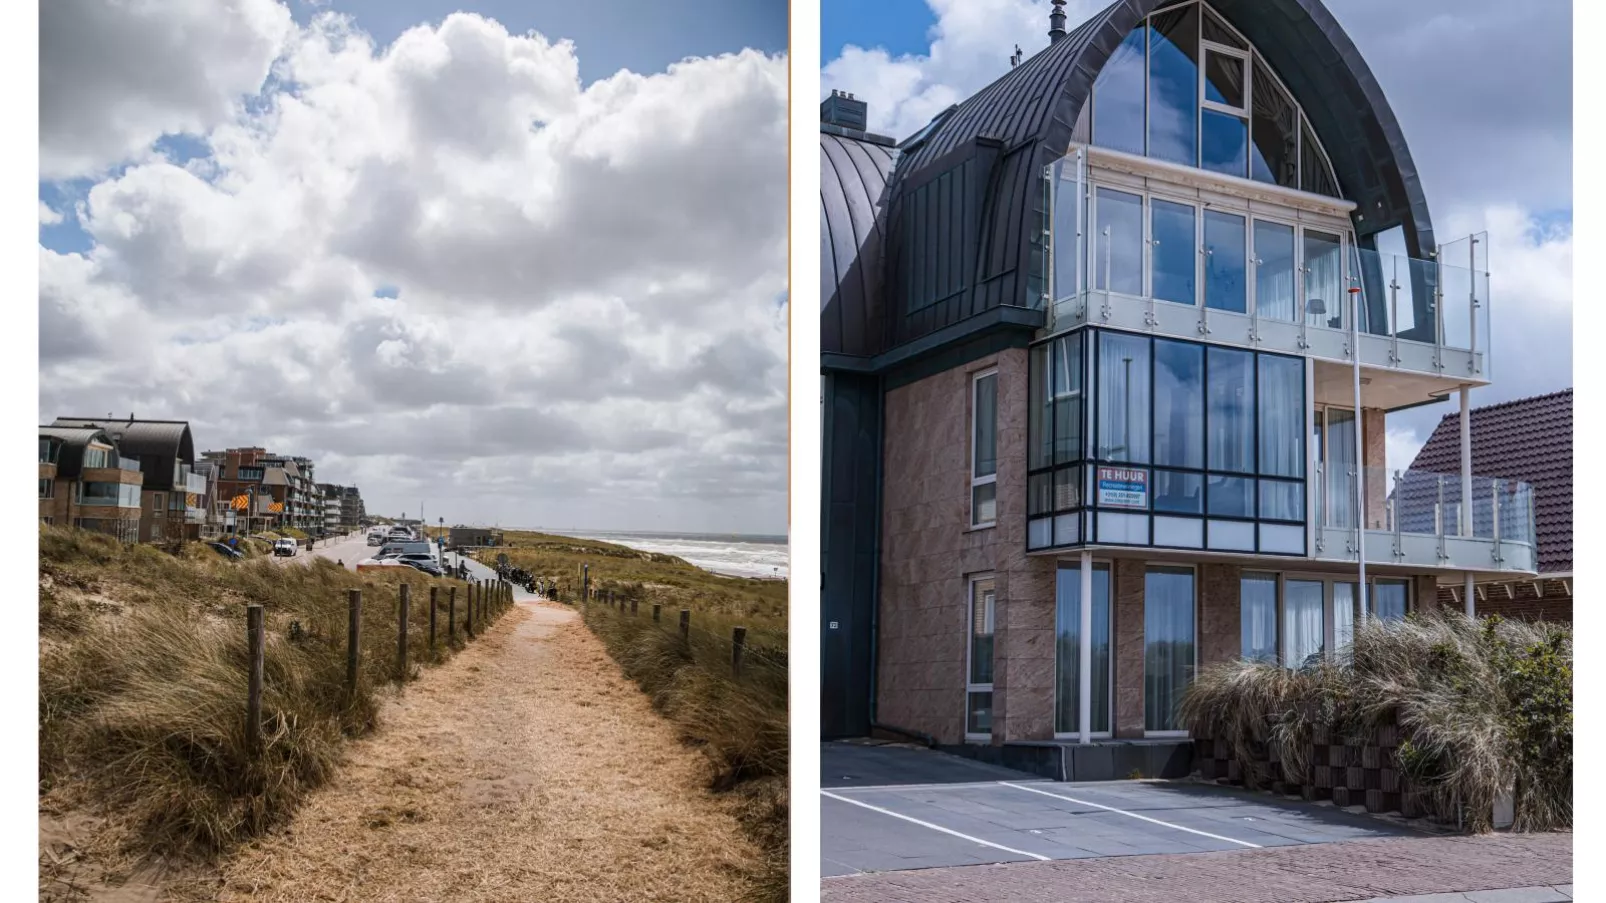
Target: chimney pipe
<point>1056,22</point>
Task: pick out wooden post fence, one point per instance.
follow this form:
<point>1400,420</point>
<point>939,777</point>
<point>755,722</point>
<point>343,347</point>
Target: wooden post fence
<point>468,626</point>
<point>656,610</point>
<point>253,695</point>
<point>585,582</point>
<point>434,600</point>
<point>738,643</point>
<point>451,615</point>
<point>633,601</point>
<point>353,638</point>
<point>406,603</point>
<point>685,626</point>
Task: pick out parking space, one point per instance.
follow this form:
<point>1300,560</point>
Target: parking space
<point>942,810</point>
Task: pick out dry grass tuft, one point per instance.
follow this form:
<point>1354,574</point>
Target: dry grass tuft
<point>1484,707</point>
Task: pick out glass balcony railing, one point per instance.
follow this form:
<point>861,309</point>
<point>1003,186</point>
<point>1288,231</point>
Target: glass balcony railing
<point>1418,517</point>
<point>1115,257</point>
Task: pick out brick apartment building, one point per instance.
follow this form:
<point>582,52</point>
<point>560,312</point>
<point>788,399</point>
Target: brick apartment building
<point>85,482</point>
<point>175,497</point>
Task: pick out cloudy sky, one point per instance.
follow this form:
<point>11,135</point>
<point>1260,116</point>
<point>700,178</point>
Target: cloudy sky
<point>525,265</point>
<point>1482,88</point>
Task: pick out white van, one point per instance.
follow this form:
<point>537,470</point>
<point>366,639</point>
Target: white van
<point>399,549</point>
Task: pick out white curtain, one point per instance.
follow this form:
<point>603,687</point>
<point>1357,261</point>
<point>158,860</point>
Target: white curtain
<point>1123,372</point>
<point>1258,616</point>
<point>1340,477</point>
<point>1343,615</point>
<point>1274,271</point>
<point>1324,299</point>
<point>1302,621</point>
<point>1282,416</point>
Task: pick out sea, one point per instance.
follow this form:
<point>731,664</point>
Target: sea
<point>732,554</point>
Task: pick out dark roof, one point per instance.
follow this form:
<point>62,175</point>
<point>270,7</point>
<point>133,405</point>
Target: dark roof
<point>1530,439</point>
<point>853,181</point>
<point>158,444</point>
<point>1006,134</point>
<point>74,440</point>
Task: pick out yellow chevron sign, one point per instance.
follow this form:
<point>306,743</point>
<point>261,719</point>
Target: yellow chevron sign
<point>240,502</point>
<point>276,507</point>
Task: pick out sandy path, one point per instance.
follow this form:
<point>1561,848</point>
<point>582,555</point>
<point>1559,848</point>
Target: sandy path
<point>527,768</point>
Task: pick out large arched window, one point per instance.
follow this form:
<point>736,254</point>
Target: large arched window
<point>1186,87</point>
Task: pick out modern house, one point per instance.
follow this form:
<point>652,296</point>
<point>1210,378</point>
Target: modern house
<point>1108,351</point>
<point>175,496</point>
<point>85,482</point>
<point>1530,439</point>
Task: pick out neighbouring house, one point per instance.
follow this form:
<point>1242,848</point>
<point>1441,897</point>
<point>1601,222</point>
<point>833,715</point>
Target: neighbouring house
<point>85,482</point>
<point>343,507</point>
<point>175,496</point>
<point>1528,440</point>
<point>1108,349</point>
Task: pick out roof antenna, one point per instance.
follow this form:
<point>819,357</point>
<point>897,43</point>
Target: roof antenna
<point>1016,57</point>
<point>1056,22</point>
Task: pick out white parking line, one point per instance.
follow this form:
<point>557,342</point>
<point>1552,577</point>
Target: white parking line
<point>927,824</point>
<point>1156,821</point>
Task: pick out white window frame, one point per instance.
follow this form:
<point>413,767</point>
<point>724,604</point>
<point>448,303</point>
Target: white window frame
<point>1109,565</point>
<point>992,617</point>
<point>992,478</point>
<point>1191,566</point>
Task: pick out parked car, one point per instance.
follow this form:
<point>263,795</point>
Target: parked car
<point>376,539</point>
<point>425,566</point>
<point>225,551</point>
<point>284,547</point>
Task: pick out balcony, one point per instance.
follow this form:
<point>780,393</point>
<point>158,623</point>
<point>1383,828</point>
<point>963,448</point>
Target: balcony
<point>1418,519</point>
<point>1251,275</point>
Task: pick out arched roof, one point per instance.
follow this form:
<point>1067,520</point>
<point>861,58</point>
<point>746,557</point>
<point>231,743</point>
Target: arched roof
<point>74,440</point>
<point>853,181</point>
<point>998,142</point>
<point>158,444</point>
<point>1039,101</point>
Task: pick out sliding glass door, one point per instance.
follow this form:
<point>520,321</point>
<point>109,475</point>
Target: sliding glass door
<point>1068,649</point>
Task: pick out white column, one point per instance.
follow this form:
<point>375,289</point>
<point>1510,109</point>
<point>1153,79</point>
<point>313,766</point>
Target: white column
<point>1466,464</point>
<point>1471,593</point>
<point>1084,657</point>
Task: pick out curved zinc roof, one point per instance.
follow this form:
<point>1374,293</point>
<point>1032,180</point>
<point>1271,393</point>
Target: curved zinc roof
<point>853,182</point>
<point>140,438</point>
<point>1013,128</point>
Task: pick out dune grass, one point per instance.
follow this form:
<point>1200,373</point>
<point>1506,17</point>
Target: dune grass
<point>1484,709</point>
<point>142,686</point>
<point>739,723</point>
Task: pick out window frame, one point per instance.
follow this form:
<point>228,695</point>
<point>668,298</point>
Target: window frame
<point>992,478</point>
<point>971,584</point>
<point>1277,612</point>
<point>47,489</point>
<point>1329,582</point>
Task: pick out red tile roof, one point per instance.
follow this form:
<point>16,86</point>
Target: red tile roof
<point>1530,439</point>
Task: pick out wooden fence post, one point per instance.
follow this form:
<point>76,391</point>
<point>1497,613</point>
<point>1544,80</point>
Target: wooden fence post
<point>434,600</point>
<point>451,615</point>
<point>633,602</point>
<point>738,642</point>
<point>353,638</point>
<point>406,601</point>
<point>656,609</point>
<point>585,582</point>
<point>468,626</point>
<point>253,694</point>
<point>685,625</point>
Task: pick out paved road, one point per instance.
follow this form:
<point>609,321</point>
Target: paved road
<point>352,549</point>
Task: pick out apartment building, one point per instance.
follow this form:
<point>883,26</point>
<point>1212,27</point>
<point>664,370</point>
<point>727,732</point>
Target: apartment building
<point>174,498</point>
<point>343,507</point>
<point>84,481</point>
<point>1108,352</point>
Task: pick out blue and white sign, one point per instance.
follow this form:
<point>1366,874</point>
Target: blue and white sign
<point>1123,487</point>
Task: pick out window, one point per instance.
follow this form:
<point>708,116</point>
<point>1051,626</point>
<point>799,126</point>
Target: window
<point>1068,649</point>
<point>1168,645</point>
<point>1257,595</point>
<point>1119,249</point>
<point>1123,398</point>
<point>48,521</point>
<point>1173,252</point>
<point>1179,404</point>
<point>1232,410</point>
<point>47,488</point>
<point>1274,271</point>
<point>1324,300</point>
<point>97,456</point>
<point>984,450</point>
<point>1205,99</point>
<point>1389,599</point>
<point>1303,622</point>
<point>1056,440</point>
<point>1345,605</point>
<point>49,451</point>
<point>1174,85</point>
<point>979,678</point>
<point>123,495</point>
<point>1226,253</point>
<point>1118,97</point>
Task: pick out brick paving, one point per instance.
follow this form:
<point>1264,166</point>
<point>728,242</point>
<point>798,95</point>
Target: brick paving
<point>1320,873</point>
